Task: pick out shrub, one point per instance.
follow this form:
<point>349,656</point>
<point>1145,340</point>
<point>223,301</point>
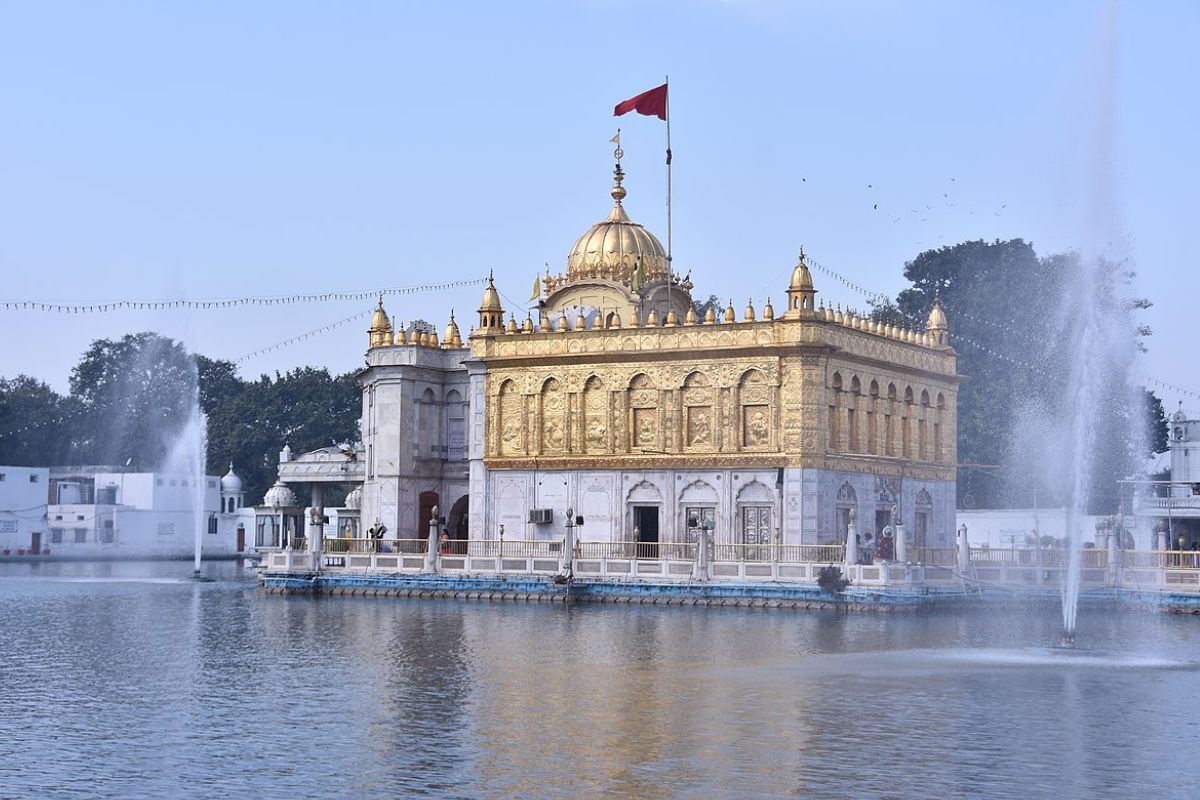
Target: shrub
<point>831,580</point>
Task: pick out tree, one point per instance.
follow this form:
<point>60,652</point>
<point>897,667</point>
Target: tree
<point>33,429</point>
<point>305,409</point>
<point>135,395</point>
<point>702,306</point>
<point>1011,314</point>
<point>130,398</point>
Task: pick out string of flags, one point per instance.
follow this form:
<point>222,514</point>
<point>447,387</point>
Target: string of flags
<point>228,302</point>
<point>303,336</point>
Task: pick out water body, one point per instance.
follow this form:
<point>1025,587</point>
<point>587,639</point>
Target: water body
<point>132,681</point>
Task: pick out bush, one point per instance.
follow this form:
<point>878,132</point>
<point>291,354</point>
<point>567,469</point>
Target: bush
<point>831,580</point>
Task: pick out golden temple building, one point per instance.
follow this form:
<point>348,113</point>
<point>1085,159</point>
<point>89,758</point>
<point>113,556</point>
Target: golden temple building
<point>625,404</point>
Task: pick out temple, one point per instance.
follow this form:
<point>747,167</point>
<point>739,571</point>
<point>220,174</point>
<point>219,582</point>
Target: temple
<point>627,412</point>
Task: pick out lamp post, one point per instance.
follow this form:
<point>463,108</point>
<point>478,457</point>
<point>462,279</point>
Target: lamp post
<point>706,536</point>
<point>566,565</point>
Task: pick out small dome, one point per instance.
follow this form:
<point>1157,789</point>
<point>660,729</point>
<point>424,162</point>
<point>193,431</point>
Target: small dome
<point>231,483</point>
<point>452,338</point>
<point>612,249</point>
<point>380,321</point>
<point>380,332</point>
<point>491,298</point>
<point>937,317</point>
<point>801,277</point>
<point>354,500</point>
<point>279,496</point>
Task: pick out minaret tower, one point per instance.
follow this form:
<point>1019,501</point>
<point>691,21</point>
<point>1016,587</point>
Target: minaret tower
<point>491,313</point>
<point>802,297</point>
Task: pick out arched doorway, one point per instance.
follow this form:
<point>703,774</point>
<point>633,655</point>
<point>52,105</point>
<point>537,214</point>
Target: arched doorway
<point>457,525</point>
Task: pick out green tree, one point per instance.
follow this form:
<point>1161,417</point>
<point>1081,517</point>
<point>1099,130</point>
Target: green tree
<point>1011,314</point>
<point>135,394</point>
<point>34,423</point>
<point>305,409</point>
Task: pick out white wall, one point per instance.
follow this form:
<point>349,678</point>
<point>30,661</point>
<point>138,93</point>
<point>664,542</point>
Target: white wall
<point>23,492</point>
<point>997,527</point>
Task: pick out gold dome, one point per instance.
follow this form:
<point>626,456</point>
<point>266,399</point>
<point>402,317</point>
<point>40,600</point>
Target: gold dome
<point>801,276</point>
<point>491,298</point>
<point>452,338</point>
<point>611,249</point>
<point>380,332</point>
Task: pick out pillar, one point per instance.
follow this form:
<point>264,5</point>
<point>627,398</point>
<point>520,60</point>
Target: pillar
<point>852,544</point>
<point>964,552</point>
<point>566,561</point>
<point>901,543</point>
<point>431,548</point>
<point>316,524</point>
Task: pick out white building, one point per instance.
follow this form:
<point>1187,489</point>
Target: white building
<point>23,494</point>
<point>103,512</point>
<point>1169,511</point>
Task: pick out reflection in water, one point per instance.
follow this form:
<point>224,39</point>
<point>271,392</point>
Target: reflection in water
<point>129,680</point>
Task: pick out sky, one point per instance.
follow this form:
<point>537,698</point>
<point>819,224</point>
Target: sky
<point>215,150</point>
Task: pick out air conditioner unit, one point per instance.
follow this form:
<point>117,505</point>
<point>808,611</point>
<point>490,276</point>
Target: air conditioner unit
<point>541,516</point>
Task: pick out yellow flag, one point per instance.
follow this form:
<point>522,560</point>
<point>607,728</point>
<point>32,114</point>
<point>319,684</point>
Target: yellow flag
<point>537,289</point>
<point>639,276</point>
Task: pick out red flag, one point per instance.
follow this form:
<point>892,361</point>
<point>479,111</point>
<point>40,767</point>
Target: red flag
<point>652,103</point>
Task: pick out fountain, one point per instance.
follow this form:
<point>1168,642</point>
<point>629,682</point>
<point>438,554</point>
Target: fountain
<point>187,457</point>
<point>1098,333</point>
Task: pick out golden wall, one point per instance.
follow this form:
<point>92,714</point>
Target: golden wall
<point>783,393</point>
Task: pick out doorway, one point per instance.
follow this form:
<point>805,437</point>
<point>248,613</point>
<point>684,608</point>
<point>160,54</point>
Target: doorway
<point>35,542</point>
<point>645,527</point>
<point>457,523</point>
<point>425,504</point>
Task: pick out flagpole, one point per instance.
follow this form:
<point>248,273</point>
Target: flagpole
<point>670,271</point>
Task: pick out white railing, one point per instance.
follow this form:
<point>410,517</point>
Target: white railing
<point>370,545</point>
<point>786,553</point>
<point>1167,502</point>
<point>652,551</point>
<point>1175,570</point>
<point>1048,558</point>
<point>1161,559</point>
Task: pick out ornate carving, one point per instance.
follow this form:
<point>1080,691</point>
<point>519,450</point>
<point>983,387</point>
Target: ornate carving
<point>756,422</point>
<point>645,427</point>
<point>699,426</point>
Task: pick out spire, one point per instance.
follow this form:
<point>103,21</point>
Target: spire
<point>618,194</point>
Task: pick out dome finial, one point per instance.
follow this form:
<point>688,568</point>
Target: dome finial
<point>618,191</point>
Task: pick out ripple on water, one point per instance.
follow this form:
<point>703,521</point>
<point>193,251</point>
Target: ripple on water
<point>135,682</point>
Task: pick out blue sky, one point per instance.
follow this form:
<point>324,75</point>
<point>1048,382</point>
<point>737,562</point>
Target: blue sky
<point>202,150</point>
